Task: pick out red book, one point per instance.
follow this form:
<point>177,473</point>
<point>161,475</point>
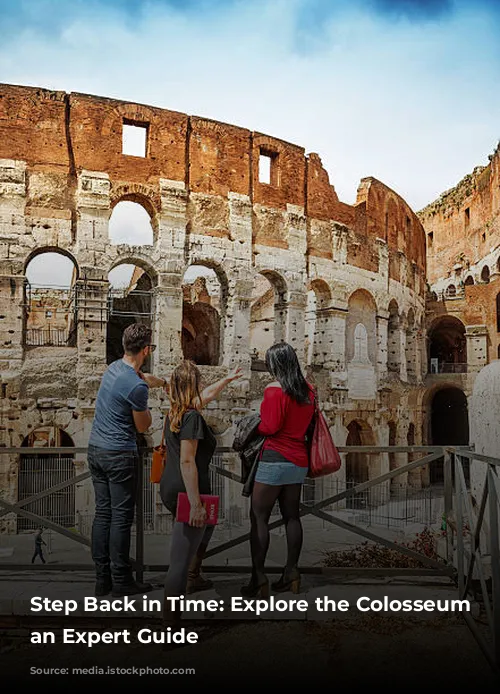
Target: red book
<point>211,504</point>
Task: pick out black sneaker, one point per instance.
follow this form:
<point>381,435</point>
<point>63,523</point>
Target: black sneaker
<point>102,588</point>
<point>131,588</point>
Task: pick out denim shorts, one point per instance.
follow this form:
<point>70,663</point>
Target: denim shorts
<point>277,474</point>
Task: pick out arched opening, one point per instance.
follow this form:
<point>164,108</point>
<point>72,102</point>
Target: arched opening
<point>393,339</point>
<point>485,274</point>
<point>203,310</point>
<point>318,343</point>
<point>498,351</point>
<point>469,281</point>
<point>447,346</point>
<point>130,301</point>
<point>451,291</point>
<point>498,312</point>
<point>267,316</point>
<point>39,471</point>
<point>358,464</point>
<point>449,426</point>
<point>361,310</point>
<point>49,300</point>
<point>130,223</point>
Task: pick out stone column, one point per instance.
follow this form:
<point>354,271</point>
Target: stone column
<point>237,328</point>
<point>335,337</point>
<point>382,335</point>
<point>477,347</point>
<point>484,415</point>
<point>167,326</point>
<point>12,232</point>
<point>403,369</point>
<point>236,343</point>
<point>295,329</point>
<point>93,210</point>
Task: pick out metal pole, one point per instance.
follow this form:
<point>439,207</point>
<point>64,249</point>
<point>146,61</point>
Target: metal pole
<point>448,503</point>
<point>495,563</point>
<point>460,531</point>
<point>139,522</point>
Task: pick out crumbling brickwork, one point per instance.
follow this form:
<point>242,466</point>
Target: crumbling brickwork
<point>463,259</point>
<point>62,173</point>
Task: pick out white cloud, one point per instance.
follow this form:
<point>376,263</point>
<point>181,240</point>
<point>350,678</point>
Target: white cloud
<point>415,105</point>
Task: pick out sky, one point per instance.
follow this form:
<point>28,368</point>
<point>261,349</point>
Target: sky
<point>403,90</point>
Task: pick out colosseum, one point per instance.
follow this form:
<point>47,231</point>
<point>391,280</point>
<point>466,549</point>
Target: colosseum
<point>242,242</point>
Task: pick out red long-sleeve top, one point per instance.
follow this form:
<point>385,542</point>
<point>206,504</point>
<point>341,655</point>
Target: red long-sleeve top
<point>285,422</point>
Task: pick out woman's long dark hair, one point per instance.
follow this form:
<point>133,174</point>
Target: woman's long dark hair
<point>283,364</point>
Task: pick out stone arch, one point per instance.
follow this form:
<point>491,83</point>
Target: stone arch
<point>144,195</point>
<point>448,421</point>
<point>393,338</point>
<point>41,470</point>
<point>451,291</point>
<point>485,274</point>
<point>268,314</point>
<point>469,281</point>
<point>49,316</point>
<point>204,312</point>
<point>447,345</point>
<point>317,323</point>
<point>130,300</point>
<point>361,309</point>
<point>52,249</point>
<point>144,226</point>
<point>359,433</point>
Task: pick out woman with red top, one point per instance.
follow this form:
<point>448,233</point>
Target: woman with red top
<point>286,413</point>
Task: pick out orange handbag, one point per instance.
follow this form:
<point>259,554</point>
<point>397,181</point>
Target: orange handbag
<point>159,458</point>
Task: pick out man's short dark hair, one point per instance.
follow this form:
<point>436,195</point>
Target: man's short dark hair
<point>136,337</point>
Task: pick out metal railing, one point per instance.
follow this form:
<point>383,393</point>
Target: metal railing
<point>471,533</point>
<point>49,337</point>
<point>449,368</point>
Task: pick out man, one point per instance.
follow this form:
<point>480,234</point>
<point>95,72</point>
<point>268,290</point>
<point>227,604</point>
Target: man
<point>121,412</point>
<point>38,546</point>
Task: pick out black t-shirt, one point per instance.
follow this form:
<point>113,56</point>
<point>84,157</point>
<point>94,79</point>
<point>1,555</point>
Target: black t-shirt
<point>193,426</point>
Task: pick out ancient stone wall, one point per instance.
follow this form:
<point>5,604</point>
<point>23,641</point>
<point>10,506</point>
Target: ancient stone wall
<point>463,260</point>
<point>62,173</point>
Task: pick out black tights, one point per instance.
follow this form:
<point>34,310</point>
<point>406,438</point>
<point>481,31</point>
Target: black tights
<point>264,497</point>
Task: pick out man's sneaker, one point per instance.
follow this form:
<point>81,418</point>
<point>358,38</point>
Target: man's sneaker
<point>130,588</point>
<point>102,588</point>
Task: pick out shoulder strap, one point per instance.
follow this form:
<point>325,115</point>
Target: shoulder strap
<point>163,430</point>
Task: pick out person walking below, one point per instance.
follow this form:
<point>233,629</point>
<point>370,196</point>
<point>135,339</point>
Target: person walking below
<point>190,445</point>
<point>121,412</point>
<point>286,414</point>
<point>39,541</point>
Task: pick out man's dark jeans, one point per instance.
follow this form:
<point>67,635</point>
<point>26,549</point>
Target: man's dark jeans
<point>114,475</point>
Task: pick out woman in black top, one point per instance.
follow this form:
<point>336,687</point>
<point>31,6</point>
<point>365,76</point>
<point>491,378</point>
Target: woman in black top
<point>190,446</point>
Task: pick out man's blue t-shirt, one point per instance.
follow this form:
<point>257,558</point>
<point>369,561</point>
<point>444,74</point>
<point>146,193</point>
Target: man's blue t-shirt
<point>121,391</point>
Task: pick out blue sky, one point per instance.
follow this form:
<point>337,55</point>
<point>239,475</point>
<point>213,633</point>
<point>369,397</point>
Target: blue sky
<point>407,91</point>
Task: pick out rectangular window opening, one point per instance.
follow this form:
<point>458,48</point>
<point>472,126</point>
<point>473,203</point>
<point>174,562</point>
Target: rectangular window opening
<point>467,216</point>
<point>408,226</point>
<point>134,138</point>
<point>268,168</point>
<point>430,237</point>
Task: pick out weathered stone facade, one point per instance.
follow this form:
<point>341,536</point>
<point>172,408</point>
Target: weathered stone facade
<point>62,172</point>
<point>463,256</point>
